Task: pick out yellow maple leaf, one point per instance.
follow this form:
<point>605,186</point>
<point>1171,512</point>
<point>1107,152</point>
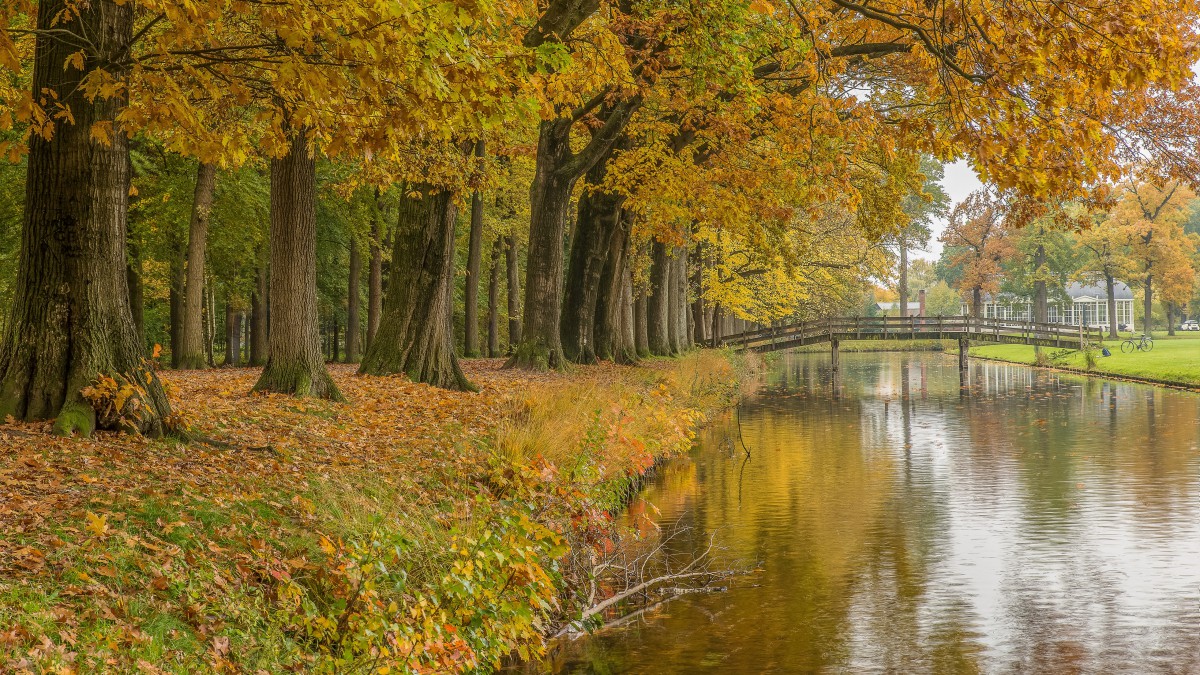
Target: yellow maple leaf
<point>97,525</point>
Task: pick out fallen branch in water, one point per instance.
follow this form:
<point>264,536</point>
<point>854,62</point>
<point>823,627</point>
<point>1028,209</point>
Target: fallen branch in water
<point>636,568</point>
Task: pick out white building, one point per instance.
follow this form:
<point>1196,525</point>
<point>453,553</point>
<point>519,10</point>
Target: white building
<point>1088,306</point>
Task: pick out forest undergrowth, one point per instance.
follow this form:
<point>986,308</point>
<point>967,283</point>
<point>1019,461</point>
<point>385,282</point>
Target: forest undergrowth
<point>411,529</point>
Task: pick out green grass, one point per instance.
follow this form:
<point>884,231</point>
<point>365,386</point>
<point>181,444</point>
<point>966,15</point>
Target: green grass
<point>1174,359</point>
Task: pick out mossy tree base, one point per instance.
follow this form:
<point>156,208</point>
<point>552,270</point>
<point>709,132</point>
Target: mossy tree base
<point>298,379</point>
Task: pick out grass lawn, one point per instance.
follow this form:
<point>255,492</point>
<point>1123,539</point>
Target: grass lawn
<point>1174,359</point>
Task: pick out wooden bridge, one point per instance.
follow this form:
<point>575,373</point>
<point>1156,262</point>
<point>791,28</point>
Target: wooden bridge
<point>961,328</point>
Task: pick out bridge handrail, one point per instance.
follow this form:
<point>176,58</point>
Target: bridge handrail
<point>873,325</point>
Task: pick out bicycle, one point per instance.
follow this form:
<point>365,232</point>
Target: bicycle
<point>1142,344</point>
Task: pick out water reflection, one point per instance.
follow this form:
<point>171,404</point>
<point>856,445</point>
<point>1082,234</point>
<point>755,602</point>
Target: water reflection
<point>905,521</point>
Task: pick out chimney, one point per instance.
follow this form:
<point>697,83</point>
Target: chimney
<point>921,302</point>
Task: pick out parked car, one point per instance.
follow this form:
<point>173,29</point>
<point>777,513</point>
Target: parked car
<point>1190,324</point>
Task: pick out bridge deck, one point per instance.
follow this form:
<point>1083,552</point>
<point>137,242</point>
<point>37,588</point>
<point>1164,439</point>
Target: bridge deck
<point>776,338</point>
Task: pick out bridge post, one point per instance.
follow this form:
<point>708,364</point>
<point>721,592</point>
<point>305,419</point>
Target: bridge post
<point>964,348</point>
<point>833,342</point>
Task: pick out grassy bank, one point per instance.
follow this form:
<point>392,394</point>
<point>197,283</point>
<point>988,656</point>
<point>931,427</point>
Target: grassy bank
<point>1174,360</point>
<point>410,530</point>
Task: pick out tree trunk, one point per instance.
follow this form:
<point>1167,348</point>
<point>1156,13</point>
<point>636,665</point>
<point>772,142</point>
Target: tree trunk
<point>294,364</point>
<point>1041,312</point>
<point>493,299</point>
<point>658,316</point>
<point>208,314</point>
<point>591,250</point>
<point>625,350</point>
<point>353,300</point>
<point>474,261</point>
<point>513,291</point>
<point>258,319</point>
<point>903,276</point>
<point>192,343</point>
<point>334,343</point>
<point>540,346</point>
<point>178,273</point>
<point>641,339</point>
<point>1110,286</point>
<point>71,321</point>
<point>976,301</point>
<point>1148,304</point>
<point>137,301</point>
<point>233,333</point>
<point>1170,308</point>
<point>717,321</point>
<point>609,312</point>
<point>699,312</point>
<point>416,335</point>
<point>677,301</point>
<point>375,276</point>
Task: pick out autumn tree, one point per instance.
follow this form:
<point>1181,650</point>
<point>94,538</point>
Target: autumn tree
<point>1158,250</point>
<point>980,240</point>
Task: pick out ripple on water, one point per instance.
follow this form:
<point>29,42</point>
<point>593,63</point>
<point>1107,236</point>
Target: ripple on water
<point>1028,522</point>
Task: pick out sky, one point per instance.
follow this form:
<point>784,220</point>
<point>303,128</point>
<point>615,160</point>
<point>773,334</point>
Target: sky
<point>959,181</point>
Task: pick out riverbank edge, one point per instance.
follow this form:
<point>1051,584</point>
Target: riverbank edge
<point>327,578</point>
<point>1101,374</point>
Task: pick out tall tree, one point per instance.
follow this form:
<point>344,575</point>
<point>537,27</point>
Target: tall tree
<point>71,322</point>
<point>977,233</point>
<point>474,260</point>
<point>415,334</point>
<point>191,344</point>
<point>353,300</point>
<point>294,361</point>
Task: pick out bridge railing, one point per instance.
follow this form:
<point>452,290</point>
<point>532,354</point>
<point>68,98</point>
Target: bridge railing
<point>898,327</point>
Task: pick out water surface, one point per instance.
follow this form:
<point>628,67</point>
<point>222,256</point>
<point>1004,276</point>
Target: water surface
<point>1029,523</point>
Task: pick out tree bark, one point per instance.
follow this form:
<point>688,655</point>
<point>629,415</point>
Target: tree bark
<point>474,261</point>
<point>71,321</point>
<point>375,275</point>
<point>557,170</point>
<point>1040,300</point>
<point>334,343</point>
<point>658,312</point>
<point>416,335</point>
<point>493,299</point>
<point>591,250</point>
<point>641,337</point>
<point>192,342</point>
<point>699,312</point>
<point>976,301</point>
<point>903,276</point>
<point>609,311</point>
<point>178,280</point>
<point>233,332</point>
<point>353,300</point>
<point>513,291</point>
<point>209,314</point>
<point>137,298</point>
<point>625,350</point>
<point>1110,286</point>
<point>294,364</point>
<point>677,303</point>
<point>1148,304</point>
<point>258,318</point>
<point>1170,309</point>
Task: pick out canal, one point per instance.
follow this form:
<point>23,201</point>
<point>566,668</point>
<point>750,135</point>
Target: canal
<point>899,522</point>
